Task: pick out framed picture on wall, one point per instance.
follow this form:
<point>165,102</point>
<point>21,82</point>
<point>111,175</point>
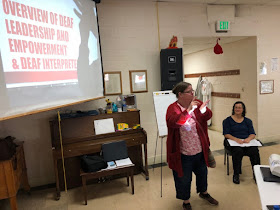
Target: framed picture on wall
<point>266,86</point>
<point>112,83</point>
<point>138,81</point>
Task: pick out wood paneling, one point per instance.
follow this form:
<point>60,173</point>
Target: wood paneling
<point>214,74</point>
<point>226,95</point>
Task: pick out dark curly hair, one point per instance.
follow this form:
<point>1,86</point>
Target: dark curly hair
<point>243,106</point>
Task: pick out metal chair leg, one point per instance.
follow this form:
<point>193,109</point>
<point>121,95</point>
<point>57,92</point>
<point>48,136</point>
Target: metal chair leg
<point>227,165</point>
<point>225,157</point>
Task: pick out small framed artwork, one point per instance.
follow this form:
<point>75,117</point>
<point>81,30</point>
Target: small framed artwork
<point>138,81</point>
<point>112,83</point>
<point>266,86</point>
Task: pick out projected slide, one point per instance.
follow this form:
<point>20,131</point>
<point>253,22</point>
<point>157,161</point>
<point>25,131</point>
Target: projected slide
<point>50,52</point>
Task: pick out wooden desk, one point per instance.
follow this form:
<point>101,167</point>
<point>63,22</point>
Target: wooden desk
<point>79,138</point>
<point>128,170</point>
<point>268,191</point>
<point>12,174</point>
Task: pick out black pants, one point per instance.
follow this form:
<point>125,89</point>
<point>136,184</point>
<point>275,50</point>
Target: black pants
<point>196,164</point>
<point>239,152</point>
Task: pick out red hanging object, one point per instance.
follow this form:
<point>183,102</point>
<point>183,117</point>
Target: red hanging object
<point>218,49</point>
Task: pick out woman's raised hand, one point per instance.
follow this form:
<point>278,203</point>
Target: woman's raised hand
<point>204,105</point>
<point>193,103</point>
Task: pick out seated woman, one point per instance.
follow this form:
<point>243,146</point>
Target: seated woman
<point>239,128</point>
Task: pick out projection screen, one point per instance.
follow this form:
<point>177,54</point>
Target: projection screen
<point>50,55</point>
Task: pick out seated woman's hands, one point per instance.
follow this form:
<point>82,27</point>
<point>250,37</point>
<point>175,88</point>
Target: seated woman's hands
<point>247,140</point>
<point>239,141</point>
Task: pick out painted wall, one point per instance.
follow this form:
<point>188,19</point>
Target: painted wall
<point>237,55</point>
<point>129,38</point>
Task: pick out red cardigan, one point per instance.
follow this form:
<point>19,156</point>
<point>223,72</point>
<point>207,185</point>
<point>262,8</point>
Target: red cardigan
<point>175,118</point>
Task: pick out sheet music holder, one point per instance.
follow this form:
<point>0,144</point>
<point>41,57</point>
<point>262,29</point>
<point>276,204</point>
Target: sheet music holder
<point>268,176</point>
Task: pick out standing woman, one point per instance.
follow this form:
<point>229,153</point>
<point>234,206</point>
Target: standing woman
<point>239,128</point>
<point>188,143</point>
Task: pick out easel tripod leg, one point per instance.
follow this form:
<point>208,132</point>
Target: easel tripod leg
<point>161,169</point>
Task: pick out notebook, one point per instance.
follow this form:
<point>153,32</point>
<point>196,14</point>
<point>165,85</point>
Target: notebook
<point>124,162</point>
<point>268,176</point>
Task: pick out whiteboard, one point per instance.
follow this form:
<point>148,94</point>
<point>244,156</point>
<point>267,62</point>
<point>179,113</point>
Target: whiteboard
<point>162,100</point>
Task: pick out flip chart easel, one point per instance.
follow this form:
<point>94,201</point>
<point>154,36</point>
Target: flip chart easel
<point>162,99</point>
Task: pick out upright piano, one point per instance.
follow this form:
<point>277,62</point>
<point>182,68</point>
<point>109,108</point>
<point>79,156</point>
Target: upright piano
<point>79,138</point>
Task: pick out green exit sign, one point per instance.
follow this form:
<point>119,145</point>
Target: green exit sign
<point>222,26</point>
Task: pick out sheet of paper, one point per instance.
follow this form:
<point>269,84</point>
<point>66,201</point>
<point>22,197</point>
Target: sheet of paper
<point>274,64</point>
<point>253,142</point>
<point>104,126</point>
<point>110,165</point>
<point>123,162</point>
<point>263,69</point>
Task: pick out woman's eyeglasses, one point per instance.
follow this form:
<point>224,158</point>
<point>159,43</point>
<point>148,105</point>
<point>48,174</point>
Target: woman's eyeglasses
<point>189,92</point>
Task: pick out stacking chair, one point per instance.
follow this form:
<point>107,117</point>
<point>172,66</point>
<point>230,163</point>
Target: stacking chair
<point>226,159</point>
<point>228,153</point>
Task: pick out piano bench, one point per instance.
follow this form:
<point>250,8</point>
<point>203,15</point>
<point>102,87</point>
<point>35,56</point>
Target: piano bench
<point>128,169</point>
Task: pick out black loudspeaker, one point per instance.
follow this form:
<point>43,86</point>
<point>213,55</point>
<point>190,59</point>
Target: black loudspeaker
<point>171,67</point>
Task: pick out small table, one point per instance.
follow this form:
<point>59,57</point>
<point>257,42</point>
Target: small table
<point>269,191</point>
<point>128,169</point>
<point>13,174</point>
